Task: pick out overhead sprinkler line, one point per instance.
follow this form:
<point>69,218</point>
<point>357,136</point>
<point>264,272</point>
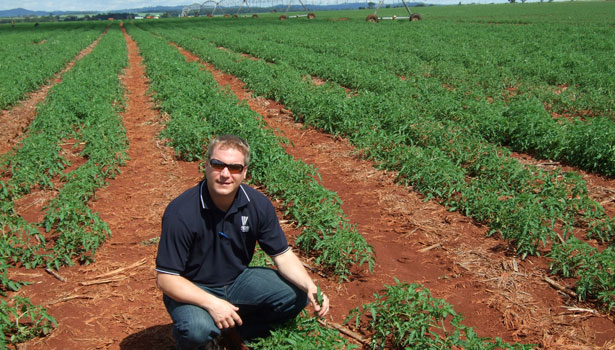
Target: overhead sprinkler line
<point>209,8</point>
<point>411,16</point>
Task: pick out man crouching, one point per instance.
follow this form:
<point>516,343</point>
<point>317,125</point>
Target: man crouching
<point>208,238</point>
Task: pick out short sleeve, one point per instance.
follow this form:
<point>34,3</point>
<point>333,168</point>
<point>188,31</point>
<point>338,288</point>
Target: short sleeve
<point>174,245</point>
<point>271,236</point>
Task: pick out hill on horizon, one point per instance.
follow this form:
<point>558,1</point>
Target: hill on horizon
<point>21,12</point>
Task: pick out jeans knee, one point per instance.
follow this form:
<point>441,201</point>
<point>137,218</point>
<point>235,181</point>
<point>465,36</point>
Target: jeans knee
<point>194,333</point>
<point>296,303</point>
<point>302,300</point>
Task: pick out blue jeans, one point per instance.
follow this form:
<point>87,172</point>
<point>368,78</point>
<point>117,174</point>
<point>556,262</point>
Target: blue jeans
<point>264,299</point>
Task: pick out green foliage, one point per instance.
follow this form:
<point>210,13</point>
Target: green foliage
<point>595,270</point>
<point>438,117</point>
<point>260,258</point>
<point>440,128</point>
<point>29,58</point>
<point>319,296</point>
<point>89,117</point>
<point>302,333</point>
<point>406,316</point>
<point>199,109</point>
<point>20,320</point>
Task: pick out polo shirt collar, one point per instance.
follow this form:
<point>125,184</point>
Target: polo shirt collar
<point>241,199</point>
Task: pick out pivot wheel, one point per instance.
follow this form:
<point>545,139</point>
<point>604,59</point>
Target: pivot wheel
<point>372,18</point>
<point>415,17</point>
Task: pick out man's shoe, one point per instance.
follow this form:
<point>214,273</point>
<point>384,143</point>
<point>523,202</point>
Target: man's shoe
<point>215,344</point>
<point>231,340</point>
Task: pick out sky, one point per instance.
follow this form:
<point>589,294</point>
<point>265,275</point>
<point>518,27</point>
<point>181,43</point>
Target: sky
<point>110,5</point>
<point>86,5</point>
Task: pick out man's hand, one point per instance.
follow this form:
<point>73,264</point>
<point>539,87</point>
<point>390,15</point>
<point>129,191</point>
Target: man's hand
<point>291,268</point>
<point>321,309</point>
<point>224,313</point>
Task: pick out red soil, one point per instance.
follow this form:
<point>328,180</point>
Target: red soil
<point>114,304</point>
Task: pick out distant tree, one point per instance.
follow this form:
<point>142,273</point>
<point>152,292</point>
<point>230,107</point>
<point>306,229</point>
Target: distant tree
<point>371,5</point>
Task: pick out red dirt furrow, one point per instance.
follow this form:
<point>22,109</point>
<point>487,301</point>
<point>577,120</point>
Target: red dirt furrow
<point>417,241</point>
<point>114,303</point>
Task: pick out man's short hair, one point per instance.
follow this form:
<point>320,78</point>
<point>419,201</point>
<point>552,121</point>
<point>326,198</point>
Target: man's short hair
<point>230,141</point>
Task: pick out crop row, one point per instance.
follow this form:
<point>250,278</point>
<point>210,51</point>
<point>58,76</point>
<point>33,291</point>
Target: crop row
<point>199,109</point>
<point>516,117</point>
<point>409,126</point>
<point>494,90</point>
<point>565,66</point>
<point>439,158</point>
<point>87,119</point>
<point>404,316</point>
<point>30,56</point>
<point>286,337</point>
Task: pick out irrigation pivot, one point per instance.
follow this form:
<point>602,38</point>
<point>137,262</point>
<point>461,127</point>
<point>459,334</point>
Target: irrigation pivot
<point>309,15</point>
<point>375,19</point>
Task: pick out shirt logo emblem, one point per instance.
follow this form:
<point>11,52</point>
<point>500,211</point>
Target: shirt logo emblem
<point>244,222</point>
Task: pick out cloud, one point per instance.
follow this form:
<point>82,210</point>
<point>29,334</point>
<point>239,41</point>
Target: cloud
<point>80,5</point>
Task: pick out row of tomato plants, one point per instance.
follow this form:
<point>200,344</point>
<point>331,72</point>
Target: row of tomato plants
<point>198,102</point>
<point>198,110</point>
<point>482,55</point>
<point>476,83</point>
<point>403,316</point>
<point>521,122</point>
<point>524,124</point>
<point>428,131</point>
<point>30,56</point>
<point>82,110</point>
<point>442,159</point>
<point>482,58</point>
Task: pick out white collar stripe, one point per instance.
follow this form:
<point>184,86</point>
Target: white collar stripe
<point>244,192</point>
<point>201,195</point>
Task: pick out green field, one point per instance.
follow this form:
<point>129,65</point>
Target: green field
<point>443,102</point>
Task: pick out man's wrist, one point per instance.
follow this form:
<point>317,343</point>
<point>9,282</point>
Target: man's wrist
<point>207,301</point>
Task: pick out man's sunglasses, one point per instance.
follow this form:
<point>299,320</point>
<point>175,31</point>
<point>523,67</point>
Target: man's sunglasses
<point>219,166</point>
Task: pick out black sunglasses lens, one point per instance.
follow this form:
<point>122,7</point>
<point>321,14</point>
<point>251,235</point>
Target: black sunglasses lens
<point>218,165</point>
<point>235,168</point>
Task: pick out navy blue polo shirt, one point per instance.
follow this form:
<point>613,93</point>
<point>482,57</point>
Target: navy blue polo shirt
<point>212,247</point>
